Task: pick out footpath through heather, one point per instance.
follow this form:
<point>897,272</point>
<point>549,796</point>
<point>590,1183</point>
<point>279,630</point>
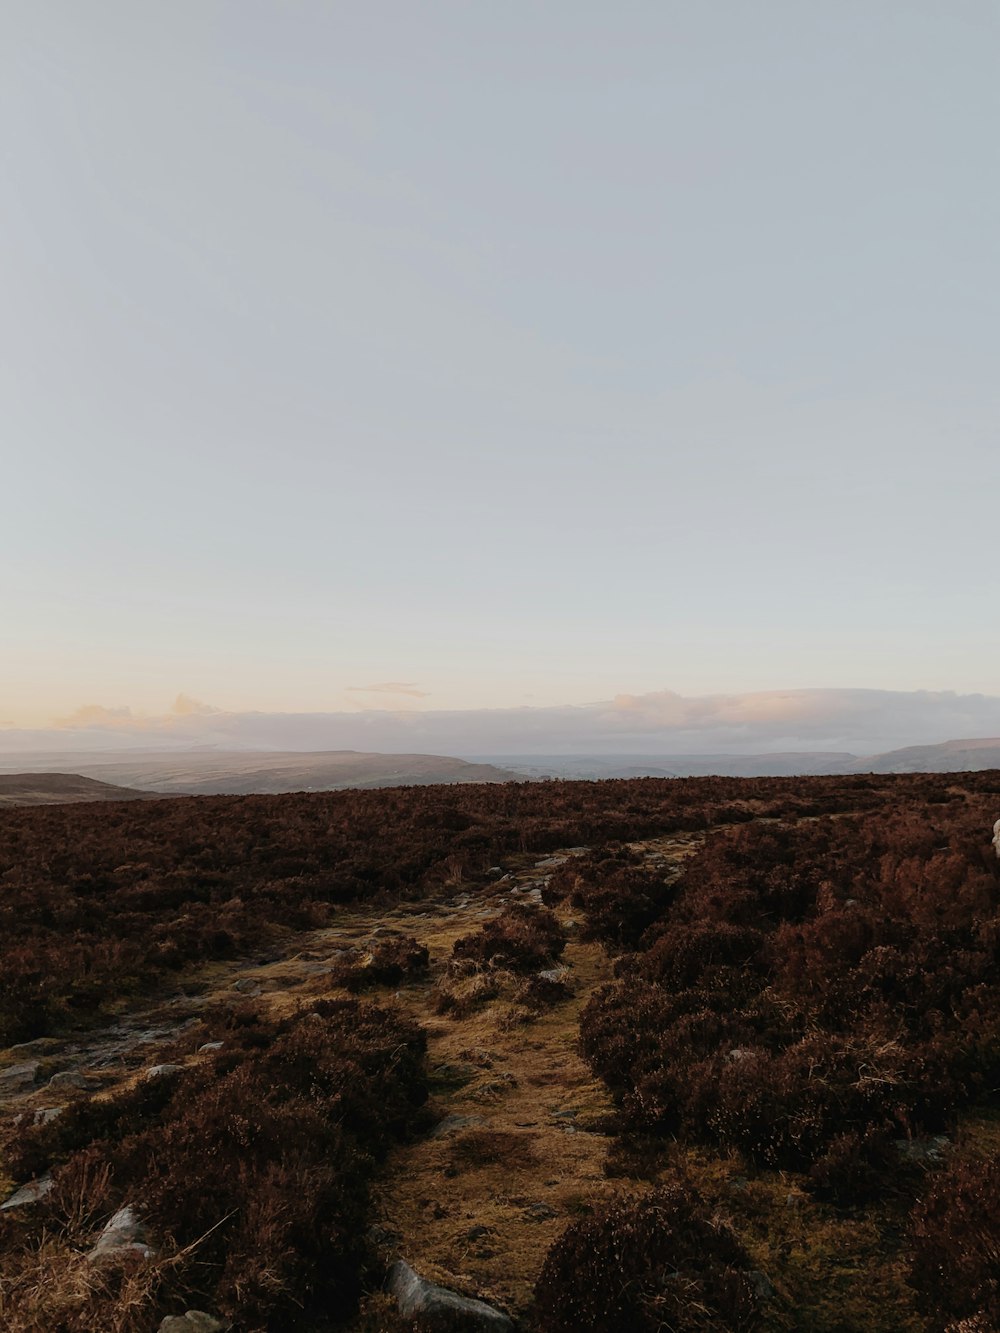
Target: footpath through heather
<point>518,1148</point>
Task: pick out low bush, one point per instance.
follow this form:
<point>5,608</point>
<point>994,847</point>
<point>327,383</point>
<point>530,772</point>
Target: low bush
<point>812,993</point>
<point>522,939</point>
<point>619,895</point>
<point>656,1264</point>
<point>259,1158</point>
<point>391,962</point>
<point>955,1234</point>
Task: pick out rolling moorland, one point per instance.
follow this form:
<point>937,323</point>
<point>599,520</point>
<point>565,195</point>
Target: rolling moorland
<point>711,1053</point>
<point>212,772</point>
<point>60,789</point>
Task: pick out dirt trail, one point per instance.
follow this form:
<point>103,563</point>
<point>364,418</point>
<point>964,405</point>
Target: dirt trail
<point>518,1151</point>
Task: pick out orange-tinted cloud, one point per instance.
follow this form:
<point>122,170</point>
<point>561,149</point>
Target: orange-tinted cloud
<point>390,687</point>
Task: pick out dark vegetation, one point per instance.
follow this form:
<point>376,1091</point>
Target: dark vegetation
<point>814,993</point>
<point>260,1159</point>
<point>817,988</point>
<point>97,904</point>
<point>520,939</point>
<point>956,1246</point>
<point>651,1264</point>
<point>390,962</point>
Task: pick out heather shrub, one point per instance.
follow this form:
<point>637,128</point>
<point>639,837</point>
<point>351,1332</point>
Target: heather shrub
<point>258,1157</point>
<point>619,894</point>
<point>522,938</point>
<point>854,1167</point>
<point>655,1264</point>
<point>390,962</point>
<point>100,903</point>
<point>812,993</point>
<point>955,1236</point>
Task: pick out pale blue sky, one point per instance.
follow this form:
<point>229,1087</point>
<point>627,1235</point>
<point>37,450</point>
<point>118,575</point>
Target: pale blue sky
<point>525,352</point>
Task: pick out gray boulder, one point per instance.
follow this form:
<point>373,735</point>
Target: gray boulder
<point>192,1321</point>
<point>435,1307</point>
<point>162,1071</point>
<point>124,1236</point>
<point>69,1078</point>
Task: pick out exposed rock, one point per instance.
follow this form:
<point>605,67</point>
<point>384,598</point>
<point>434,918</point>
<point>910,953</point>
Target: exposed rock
<point>124,1235</point>
<point>555,975</point>
<point>451,1123</point>
<point>247,986</point>
<point>207,1046</point>
<point>570,925</point>
<point>439,1308</point>
<point>39,1046</point>
<point>192,1321</point>
<point>540,1212</point>
<point>16,1077</point>
<point>30,1193</point>
<point>923,1150</point>
<point>162,1071</point>
<point>69,1078</point>
<point>45,1114</point>
<point>739,1053</point>
<point>761,1284</point>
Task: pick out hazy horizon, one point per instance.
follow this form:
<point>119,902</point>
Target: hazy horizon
<point>413,361</point>
<point>859,722</point>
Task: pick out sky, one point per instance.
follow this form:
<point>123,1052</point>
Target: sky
<point>380,356</point>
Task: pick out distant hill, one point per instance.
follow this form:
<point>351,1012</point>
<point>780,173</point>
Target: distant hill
<point>962,756</point>
<point>241,773</point>
<point>967,756</point>
<point>595,766</point>
<point>60,789</point>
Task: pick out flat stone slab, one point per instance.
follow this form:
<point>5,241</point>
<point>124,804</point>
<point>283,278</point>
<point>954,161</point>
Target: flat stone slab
<point>27,1194</point>
<point>16,1077</point>
<point>435,1307</point>
<point>451,1124</point>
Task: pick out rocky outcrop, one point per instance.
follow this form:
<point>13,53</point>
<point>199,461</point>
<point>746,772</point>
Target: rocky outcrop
<point>433,1307</point>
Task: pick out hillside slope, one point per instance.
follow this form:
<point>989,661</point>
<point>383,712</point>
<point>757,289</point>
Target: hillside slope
<point>271,773</point>
<point>60,788</point>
